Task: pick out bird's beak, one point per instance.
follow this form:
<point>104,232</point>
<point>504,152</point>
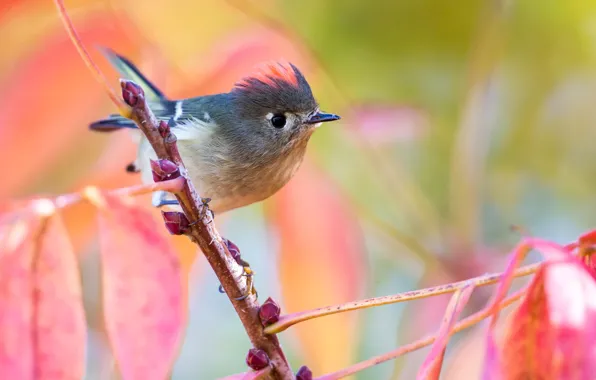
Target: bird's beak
<point>321,117</point>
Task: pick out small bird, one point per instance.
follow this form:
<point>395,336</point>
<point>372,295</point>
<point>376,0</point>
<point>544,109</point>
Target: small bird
<point>239,147</point>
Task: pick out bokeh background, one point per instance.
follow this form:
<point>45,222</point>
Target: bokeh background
<point>459,121</point>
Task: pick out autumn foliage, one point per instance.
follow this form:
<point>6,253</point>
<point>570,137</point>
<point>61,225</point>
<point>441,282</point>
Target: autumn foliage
<point>45,326</point>
<point>549,335</point>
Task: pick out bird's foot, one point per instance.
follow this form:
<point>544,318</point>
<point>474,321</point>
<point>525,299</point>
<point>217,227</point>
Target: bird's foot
<point>250,284</point>
<point>246,270</point>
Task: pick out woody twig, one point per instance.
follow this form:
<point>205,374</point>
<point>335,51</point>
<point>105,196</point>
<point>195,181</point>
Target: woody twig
<point>197,223</point>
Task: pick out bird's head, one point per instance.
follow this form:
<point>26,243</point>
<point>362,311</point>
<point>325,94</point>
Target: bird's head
<point>277,104</point>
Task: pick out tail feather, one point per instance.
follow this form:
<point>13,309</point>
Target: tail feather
<point>112,123</point>
<point>128,71</point>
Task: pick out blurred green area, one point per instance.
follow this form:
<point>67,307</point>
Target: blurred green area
<point>503,94</point>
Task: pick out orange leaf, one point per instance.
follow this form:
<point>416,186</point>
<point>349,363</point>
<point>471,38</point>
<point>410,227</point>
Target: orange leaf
<point>431,369</point>
<point>321,263</point>
<point>40,298</point>
<point>144,289</point>
<point>32,121</point>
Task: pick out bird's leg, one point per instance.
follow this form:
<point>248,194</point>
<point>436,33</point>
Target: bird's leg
<point>246,270</point>
<point>159,199</point>
<point>250,284</point>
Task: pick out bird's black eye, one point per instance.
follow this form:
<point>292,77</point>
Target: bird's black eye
<point>278,121</point>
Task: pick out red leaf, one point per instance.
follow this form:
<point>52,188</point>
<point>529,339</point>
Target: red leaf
<point>40,298</point>
<point>552,333</point>
<point>431,369</point>
<point>144,296</point>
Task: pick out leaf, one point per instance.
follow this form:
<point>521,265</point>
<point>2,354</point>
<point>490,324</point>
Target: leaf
<point>552,333</point>
<point>40,301</point>
<point>53,126</point>
<point>144,289</point>
<point>321,263</point>
<point>16,250</point>
<point>431,369</point>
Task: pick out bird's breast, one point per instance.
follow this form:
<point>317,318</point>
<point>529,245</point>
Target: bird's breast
<point>237,180</point>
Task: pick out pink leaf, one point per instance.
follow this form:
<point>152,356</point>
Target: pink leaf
<point>144,297</point>
<point>42,322</point>
<point>552,333</point>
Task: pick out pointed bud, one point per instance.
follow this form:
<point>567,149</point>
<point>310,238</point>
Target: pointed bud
<point>304,373</point>
<point>163,128</point>
<point>163,170</point>
<point>176,222</point>
<point>131,92</point>
<point>269,312</point>
<point>257,359</point>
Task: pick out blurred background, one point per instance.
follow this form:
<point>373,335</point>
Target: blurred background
<point>457,123</point>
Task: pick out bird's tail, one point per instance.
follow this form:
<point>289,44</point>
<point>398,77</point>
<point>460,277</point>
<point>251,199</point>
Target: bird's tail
<point>129,71</point>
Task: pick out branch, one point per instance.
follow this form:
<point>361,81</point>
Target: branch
<point>462,325</point>
<point>202,231</point>
<point>288,320</point>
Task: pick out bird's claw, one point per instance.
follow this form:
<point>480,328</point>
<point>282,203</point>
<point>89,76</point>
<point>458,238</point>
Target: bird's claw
<point>250,287</point>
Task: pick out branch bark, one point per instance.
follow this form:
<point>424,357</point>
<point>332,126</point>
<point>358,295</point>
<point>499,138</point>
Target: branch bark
<point>203,232</point>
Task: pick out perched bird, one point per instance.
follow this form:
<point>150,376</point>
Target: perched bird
<point>239,147</point>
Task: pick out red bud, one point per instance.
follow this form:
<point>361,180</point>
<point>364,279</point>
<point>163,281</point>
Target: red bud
<point>269,312</point>
<point>131,92</point>
<point>163,128</point>
<point>163,170</point>
<point>257,359</point>
<point>304,373</point>
<point>176,222</point>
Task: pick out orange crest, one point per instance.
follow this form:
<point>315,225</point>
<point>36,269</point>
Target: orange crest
<point>270,73</point>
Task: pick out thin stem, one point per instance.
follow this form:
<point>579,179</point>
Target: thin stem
<point>431,368</point>
<point>288,320</point>
<point>462,325</point>
<point>95,71</point>
<point>171,185</point>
